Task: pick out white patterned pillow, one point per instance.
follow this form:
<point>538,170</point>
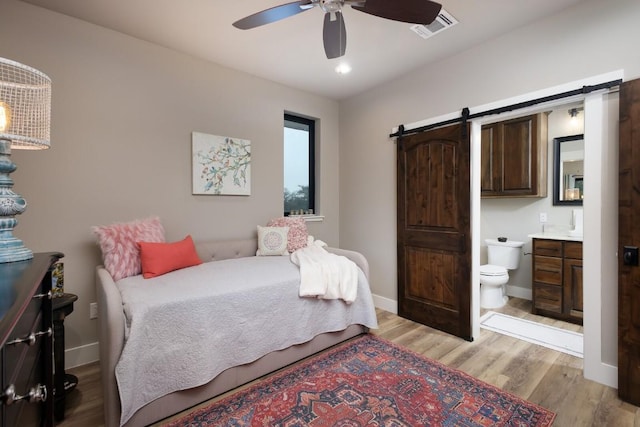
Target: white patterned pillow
<point>118,242</point>
<point>297,237</point>
<point>272,241</point>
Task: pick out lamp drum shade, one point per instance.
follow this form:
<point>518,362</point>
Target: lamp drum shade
<point>25,106</point>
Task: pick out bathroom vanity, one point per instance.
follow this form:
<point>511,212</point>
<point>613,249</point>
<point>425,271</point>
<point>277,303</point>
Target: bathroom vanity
<point>557,276</point>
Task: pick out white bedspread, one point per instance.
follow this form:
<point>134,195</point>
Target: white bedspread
<point>326,275</point>
<point>187,326</point>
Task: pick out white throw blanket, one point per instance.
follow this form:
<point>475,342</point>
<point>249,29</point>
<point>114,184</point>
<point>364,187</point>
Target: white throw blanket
<point>326,275</point>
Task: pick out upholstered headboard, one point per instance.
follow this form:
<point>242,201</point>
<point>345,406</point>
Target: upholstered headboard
<point>225,249</point>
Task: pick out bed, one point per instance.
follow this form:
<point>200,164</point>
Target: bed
<point>254,357</point>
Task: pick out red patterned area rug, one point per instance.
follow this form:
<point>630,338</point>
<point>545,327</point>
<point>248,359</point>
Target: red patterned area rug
<point>369,381</point>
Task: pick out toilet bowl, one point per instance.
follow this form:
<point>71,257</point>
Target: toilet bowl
<point>494,276</point>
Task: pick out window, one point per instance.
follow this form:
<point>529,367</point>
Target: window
<point>299,165</point>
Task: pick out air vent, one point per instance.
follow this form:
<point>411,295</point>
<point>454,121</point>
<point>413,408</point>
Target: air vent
<point>443,21</point>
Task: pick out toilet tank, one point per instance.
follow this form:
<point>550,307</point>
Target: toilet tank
<point>505,254</point>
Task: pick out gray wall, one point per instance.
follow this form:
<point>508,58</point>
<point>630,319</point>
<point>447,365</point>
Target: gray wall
<point>591,38</point>
<point>122,115</point>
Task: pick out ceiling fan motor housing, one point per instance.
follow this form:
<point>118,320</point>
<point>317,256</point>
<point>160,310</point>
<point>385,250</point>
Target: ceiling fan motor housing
<point>331,6</point>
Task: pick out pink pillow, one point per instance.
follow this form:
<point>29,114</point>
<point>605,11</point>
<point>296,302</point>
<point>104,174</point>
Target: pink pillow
<point>120,252</point>
<point>298,233</point>
<point>160,258</point>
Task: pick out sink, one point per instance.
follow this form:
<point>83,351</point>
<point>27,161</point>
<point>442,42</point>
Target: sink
<point>575,233</point>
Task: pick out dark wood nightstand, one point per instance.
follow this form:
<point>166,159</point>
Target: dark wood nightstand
<point>63,382</point>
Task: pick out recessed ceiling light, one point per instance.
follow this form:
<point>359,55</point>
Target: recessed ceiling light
<point>343,69</point>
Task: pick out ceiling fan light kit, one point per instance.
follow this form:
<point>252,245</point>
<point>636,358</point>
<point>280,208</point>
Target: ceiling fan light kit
<point>334,32</point>
<point>343,69</point>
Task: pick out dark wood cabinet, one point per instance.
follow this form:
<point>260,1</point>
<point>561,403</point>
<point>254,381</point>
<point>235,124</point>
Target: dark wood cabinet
<point>557,279</point>
<point>514,158</point>
<point>26,336</point>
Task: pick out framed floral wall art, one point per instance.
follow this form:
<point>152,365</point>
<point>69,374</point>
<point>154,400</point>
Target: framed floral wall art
<point>221,165</point>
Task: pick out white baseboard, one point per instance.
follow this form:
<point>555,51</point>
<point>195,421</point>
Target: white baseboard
<point>519,292</point>
<point>391,305</point>
<point>82,355</point>
<point>603,374</point>
<point>386,304</point>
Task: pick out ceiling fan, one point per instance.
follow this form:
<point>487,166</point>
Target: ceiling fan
<point>334,34</point>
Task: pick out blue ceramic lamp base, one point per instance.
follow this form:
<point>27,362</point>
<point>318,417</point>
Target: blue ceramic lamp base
<point>12,250</point>
<point>11,204</point>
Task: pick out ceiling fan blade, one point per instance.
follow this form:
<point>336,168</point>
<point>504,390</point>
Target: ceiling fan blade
<point>273,14</point>
<point>334,35</point>
<point>411,11</point>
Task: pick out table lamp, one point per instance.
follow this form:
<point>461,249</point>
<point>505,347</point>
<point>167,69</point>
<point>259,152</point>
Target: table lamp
<point>25,122</point>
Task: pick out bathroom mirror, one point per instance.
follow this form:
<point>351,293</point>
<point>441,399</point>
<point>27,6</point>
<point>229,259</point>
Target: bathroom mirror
<point>568,170</point>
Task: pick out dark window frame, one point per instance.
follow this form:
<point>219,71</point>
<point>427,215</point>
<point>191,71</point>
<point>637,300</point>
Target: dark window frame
<point>311,124</point>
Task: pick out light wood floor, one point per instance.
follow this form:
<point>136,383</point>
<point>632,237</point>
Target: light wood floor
<point>546,377</point>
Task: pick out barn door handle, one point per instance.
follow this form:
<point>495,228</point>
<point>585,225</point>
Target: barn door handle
<point>630,255</point>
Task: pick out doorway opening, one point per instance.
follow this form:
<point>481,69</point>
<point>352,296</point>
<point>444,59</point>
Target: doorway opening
<point>508,211</point>
<point>600,261</point>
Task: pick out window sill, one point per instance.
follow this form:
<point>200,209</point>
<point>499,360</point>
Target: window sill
<point>309,218</point>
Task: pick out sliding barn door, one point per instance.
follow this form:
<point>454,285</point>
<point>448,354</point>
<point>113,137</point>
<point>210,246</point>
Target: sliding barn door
<point>434,240</point>
<point>628,242</point>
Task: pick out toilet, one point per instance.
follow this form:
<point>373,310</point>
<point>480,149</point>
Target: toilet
<point>494,276</point>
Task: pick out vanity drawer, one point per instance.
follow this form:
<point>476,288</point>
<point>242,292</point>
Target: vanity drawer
<point>547,247</point>
<point>573,250</point>
<point>548,297</point>
<point>547,270</point>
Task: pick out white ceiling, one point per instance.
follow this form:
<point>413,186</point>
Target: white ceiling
<point>291,51</point>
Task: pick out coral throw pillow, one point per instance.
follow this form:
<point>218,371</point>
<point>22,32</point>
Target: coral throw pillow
<point>120,252</point>
<point>272,241</point>
<point>298,232</point>
<point>160,258</point>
